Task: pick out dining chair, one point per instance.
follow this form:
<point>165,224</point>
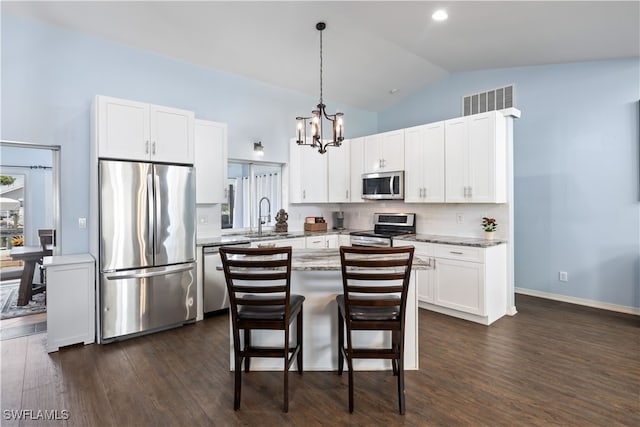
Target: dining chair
<point>259,283</point>
<point>375,284</point>
<point>47,238</point>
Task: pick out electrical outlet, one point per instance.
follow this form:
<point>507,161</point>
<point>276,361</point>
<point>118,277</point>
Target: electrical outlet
<point>82,223</point>
<point>203,219</point>
<point>460,218</point>
<point>563,276</point>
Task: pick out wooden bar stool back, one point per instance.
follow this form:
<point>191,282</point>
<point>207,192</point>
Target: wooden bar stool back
<point>375,284</point>
<point>259,283</point>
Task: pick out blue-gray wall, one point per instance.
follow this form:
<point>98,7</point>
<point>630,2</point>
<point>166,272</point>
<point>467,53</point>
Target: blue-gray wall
<point>576,161</point>
<point>50,77</point>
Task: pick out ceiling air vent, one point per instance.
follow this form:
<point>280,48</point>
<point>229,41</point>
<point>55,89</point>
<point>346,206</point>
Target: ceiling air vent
<point>494,99</point>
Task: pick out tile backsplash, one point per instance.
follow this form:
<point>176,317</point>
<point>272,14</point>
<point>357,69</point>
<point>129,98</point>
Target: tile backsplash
<point>437,218</point>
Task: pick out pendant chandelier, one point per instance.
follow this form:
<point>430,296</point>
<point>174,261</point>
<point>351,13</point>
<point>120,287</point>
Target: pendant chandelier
<point>315,121</point>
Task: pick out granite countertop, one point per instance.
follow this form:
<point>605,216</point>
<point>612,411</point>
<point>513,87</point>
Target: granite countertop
<point>227,239</point>
<point>248,237</point>
<point>477,242</point>
<point>329,259</point>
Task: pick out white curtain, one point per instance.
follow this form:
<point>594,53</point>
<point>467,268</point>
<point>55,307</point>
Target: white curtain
<point>269,185</point>
<point>246,203</point>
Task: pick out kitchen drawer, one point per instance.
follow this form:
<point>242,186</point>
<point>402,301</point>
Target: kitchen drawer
<point>422,248</point>
<point>463,253</point>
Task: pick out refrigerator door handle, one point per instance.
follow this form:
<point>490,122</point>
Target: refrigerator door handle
<point>157,215</point>
<point>152,273</point>
<point>150,215</point>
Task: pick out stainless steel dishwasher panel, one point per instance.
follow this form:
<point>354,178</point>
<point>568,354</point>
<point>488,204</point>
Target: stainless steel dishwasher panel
<point>214,293</point>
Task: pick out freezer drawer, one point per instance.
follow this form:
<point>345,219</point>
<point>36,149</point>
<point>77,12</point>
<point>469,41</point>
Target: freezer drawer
<point>142,300</point>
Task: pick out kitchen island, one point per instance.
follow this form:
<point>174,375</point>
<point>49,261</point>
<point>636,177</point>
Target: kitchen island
<point>316,274</point>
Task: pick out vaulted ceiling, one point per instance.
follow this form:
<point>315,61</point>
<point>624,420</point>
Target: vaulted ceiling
<point>370,48</point>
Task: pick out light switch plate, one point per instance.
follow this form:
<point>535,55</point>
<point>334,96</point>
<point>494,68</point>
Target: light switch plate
<point>82,223</point>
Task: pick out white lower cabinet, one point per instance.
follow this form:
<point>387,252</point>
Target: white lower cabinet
<point>465,282</point>
<point>296,243</point>
<point>459,285</point>
<point>344,240</point>
<point>332,241</point>
<point>70,300</point>
<point>313,242</point>
<point>424,278</point>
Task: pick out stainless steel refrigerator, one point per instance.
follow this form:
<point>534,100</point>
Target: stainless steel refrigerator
<point>147,247</point>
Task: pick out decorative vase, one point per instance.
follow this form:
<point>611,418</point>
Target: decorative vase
<point>488,235</point>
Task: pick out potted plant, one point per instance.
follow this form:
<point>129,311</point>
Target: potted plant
<point>489,225</point>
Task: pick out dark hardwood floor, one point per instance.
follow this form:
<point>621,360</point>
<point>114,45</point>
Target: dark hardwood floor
<point>552,364</point>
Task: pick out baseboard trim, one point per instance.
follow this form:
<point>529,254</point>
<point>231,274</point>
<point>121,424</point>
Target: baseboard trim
<point>579,301</point>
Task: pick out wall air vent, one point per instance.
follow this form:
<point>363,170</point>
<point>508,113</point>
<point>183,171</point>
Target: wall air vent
<point>494,99</point>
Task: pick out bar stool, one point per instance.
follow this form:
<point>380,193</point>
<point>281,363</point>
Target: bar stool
<point>259,283</point>
<point>375,284</point>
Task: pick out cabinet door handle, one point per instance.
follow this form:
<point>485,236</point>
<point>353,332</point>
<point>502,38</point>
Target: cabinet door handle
<point>146,147</point>
<point>153,148</point>
<point>304,194</point>
<point>470,192</point>
<point>346,194</point>
<point>456,252</point>
<point>434,263</point>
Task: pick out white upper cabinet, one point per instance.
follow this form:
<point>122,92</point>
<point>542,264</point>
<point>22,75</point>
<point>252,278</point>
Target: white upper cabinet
<point>384,152</point>
<point>210,162</point>
<point>476,159</point>
<point>356,148</point>
<point>424,163</point>
<point>338,170</point>
<point>138,131</point>
<point>307,174</point>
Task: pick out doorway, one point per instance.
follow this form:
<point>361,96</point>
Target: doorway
<point>29,231</point>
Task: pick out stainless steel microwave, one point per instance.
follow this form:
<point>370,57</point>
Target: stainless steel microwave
<point>383,185</point>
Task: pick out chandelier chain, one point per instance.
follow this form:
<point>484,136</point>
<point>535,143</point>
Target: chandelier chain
<point>321,68</point>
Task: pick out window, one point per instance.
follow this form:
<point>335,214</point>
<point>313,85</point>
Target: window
<point>247,184</point>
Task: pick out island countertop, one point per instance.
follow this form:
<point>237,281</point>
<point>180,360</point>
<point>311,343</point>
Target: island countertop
<point>329,260</point>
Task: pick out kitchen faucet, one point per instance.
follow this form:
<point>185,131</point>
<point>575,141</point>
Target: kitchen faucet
<point>260,216</point>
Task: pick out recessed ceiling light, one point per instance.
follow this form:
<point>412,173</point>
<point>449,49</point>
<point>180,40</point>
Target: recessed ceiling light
<point>440,15</point>
<point>394,90</point>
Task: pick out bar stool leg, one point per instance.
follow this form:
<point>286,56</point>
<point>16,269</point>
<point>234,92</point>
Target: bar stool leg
<point>299,341</point>
<point>247,345</point>
<point>340,342</point>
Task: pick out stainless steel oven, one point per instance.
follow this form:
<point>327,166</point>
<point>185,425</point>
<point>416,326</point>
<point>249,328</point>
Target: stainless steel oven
<point>386,227</point>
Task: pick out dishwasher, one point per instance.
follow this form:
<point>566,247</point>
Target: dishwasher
<point>214,291</point>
